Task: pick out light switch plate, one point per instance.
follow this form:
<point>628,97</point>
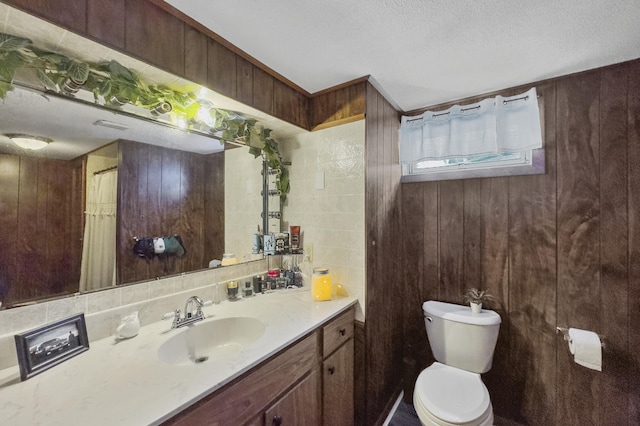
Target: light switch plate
<point>308,253</point>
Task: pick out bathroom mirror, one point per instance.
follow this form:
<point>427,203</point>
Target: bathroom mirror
<point>156,160</point>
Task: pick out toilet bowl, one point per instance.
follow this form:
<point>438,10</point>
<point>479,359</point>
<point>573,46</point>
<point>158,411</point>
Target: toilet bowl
<point>450,391</point>
<point>447,395</point>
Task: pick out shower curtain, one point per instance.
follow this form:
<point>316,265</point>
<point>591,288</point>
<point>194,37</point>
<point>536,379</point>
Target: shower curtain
<point>99,244</point>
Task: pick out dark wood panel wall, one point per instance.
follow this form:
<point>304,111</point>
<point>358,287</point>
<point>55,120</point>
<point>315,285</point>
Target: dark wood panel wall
<point>155,32</point>
<point>339,105</point>
<point>42,231</point>
<point>559,249</point>
<point>383,347</point>
<point>164,192</point>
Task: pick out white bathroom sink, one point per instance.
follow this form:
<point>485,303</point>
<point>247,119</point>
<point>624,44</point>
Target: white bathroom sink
<point>210,340</point>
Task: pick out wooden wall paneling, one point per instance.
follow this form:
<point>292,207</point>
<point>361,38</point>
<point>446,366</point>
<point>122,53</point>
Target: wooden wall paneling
<point>171,200</point>
<point>154,204</point>
<point>40,250</point>
<point>372,206</point>
<point>527,343</point>
<point>614,232</point>
<point>286,103</point>
<point>244,81</point>
<point>578,215</point>
<point>451,236</point>
<point>305,111</point>
<point>339,105</point>
<point>633,144</point>
<point>69,14</point>
<point>413,239</point>
<point>494,240</point>
<point>130,221</point>
<point>142,226</point>
<point>155,36</point>
<point>195,55</point>
<point>263,89</point>
<point>106,21</point>
<point>191,226</point>
<point>222,70</point>
<point>58,224</point>
<point>494,259</point>
<point>472,234</point>
<point>28,264</point>
<point>384,282</point>
<point>392,274</point>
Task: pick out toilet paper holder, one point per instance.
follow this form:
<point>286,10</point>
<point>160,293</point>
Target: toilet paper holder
<point>565,334</point>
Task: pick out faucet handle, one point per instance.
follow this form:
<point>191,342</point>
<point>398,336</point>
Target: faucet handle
<point>170,315</point>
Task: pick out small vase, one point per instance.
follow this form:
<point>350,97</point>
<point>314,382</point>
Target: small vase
<point>475,307</point>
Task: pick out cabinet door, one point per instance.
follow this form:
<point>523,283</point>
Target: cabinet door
<point>337,387</point>
<point>300,406</point>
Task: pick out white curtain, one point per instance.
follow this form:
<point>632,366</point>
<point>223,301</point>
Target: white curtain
<point>99,244</point>
<point>494,125</point>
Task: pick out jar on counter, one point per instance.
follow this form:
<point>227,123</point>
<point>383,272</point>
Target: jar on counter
<point>321,284</point>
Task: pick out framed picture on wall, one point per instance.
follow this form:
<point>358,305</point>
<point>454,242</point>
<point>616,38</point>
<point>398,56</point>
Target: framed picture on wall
<point>42,348</point>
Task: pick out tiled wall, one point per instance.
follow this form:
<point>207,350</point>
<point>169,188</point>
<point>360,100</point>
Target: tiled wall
<point>331,219</point>
<point>243,200</point>
<point>104,309</point>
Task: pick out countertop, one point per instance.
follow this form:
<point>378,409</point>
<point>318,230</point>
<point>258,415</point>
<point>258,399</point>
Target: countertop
<point>124,383</point>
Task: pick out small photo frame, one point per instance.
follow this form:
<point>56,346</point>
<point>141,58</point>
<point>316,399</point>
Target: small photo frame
<point>42,348</point>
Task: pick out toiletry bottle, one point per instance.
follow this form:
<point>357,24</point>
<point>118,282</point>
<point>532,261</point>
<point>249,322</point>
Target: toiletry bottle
<point>247,291</point>
<point>321,284</point>
<point>232,290</point>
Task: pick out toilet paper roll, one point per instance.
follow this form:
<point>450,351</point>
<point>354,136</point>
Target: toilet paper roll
<point>586,348</point>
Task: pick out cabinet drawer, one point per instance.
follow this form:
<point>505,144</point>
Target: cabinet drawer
<point>337,332</point>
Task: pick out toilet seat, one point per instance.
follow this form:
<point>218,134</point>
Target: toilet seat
<point>447,395</point>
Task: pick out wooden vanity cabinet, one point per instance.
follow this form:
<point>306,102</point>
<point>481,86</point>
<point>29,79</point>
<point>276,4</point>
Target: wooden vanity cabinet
<point>309,383</point>
<point>298,406</point>
<point>338,371</point>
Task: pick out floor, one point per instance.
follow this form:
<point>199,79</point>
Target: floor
<point>405,415</point>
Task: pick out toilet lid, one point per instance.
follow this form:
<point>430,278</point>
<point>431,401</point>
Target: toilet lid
<point>452,394</point>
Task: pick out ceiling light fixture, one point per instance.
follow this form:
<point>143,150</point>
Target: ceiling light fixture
<point>111,124</point>
<point>32,143</point>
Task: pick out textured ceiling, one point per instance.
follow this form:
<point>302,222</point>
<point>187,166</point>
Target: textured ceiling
<point>422,52</point>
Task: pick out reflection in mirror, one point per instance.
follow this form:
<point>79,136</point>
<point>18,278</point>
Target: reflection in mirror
<point>168,181</point>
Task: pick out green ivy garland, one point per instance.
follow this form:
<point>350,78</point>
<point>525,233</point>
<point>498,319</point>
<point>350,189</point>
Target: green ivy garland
<point>114,85</point>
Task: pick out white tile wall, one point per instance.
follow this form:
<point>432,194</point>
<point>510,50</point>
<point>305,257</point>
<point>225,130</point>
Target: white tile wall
<point>332,219</point>
<point>243,200</point>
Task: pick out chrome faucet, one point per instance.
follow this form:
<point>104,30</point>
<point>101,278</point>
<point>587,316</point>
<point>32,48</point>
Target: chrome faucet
<point>191,316</point>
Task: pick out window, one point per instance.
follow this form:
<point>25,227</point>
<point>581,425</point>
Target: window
<point>494,137</point>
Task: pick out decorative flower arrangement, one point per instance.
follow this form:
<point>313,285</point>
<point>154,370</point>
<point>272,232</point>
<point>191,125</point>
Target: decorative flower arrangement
<point>114,85</point>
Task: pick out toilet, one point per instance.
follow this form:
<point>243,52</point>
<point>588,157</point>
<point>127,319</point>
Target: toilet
<point>450,391</point>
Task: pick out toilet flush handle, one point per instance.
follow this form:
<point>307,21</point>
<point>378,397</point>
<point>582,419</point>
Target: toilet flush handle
<point>429,319</point>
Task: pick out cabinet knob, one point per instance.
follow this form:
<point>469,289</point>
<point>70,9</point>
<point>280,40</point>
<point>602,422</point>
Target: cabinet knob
<point>331,370</point>
<point>277,421</point>
<point>342,331</point>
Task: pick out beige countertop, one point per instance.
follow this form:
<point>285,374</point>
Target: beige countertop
<point>124,382</point>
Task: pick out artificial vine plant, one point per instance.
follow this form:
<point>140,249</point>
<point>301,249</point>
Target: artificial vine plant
<point>114,85</point>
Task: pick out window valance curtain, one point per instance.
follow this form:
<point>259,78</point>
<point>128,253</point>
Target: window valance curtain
<point>491,126</point>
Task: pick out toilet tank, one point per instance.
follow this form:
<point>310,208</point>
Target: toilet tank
<point>459,338</point>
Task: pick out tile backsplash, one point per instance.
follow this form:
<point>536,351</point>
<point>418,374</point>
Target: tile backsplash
<point>104,309</point>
